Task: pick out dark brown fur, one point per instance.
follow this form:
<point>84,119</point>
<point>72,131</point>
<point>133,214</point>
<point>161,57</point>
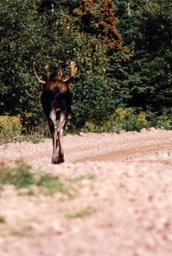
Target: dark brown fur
<point>56,101</point>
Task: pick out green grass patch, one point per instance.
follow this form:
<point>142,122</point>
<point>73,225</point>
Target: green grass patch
<point>54,184</point>
<point>10,127</point>
<point>19,175</point>
<point>35,137</point>
<point>22,176</point>
<point>81,214</point>
<point>81,178</point>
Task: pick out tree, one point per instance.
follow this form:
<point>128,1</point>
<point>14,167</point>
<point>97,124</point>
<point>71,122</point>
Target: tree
<point>29,37</point>
<point>147,33</point>
<point>122,49</point>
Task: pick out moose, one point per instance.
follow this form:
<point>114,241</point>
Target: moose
<point>56,101</point>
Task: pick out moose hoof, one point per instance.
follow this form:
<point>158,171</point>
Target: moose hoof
<point>61,159</point>
<point>58,160</point>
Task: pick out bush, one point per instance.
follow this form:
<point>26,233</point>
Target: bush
<point>136,75</point>
<point>10,127</point>
<point>128,120</point>
<point>122,119</point>
<point>165,120</point>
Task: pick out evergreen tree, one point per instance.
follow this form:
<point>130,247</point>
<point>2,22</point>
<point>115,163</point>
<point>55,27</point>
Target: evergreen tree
<point>122,49</point>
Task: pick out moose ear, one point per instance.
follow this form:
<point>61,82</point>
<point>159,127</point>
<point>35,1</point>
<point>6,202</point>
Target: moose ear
<point>37,77</point>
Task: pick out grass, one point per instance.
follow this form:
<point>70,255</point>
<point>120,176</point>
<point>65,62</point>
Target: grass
<point>22,176</point>
<point>33,137</point>
<point>81,214</point>
<point>2,219</point>
<point>23,231</point>
<point>19,175</point>
<point>81,178</point>
<point>53,184</point>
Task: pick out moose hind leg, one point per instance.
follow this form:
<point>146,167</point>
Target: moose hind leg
<point>62,123</point>
<point>53,129</point>
<point>55,145</point>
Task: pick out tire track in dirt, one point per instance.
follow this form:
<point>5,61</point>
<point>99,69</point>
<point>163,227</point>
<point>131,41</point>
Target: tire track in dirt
<point>148,145</point>
<point>154,146</point>
<point>142,153</point>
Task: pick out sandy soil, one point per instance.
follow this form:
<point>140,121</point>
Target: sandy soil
<point>119,200</point>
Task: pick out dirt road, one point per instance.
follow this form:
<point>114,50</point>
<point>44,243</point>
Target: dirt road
<point>119,200</point>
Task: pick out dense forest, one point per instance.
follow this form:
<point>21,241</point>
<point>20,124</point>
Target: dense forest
<point>123,50</point>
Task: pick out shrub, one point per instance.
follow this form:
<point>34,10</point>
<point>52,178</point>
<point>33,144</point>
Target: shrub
<point>91,127</point>
<point>128,119</point>
<point>122,119</point>
<point>10,127</point>
<point>165,120</point>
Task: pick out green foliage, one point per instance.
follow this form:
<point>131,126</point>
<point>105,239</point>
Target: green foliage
<point>21,176</point>
<point>165,120</point>
<point>96,98</point>
<point>53,184</point>
<point>11,131</point>
<point>122,119</point>
<point>81,178</point>
<point>35,137</point>
<point>19,95</point>
<point>122,49</point>
<point>128,120</point>
<point>147,30</point>
<point>10,127</point>
<point>82,213</point>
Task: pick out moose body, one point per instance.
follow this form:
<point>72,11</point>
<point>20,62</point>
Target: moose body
<point>56,101</point>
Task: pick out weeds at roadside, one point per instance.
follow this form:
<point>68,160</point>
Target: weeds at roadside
<point>19,175</point>
<point>24,231</point>
<point>22,176</point>
<point>34,138</point>
<point>2,219</point>
<point>31,182</point>
<point>54,184</point>
<point>81,178</point>
<point>81,214</point>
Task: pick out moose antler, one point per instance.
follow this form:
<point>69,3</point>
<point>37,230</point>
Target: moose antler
<point>37,77</point>
<point>73,70</point>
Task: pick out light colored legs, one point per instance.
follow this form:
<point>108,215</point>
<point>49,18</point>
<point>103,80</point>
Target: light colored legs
<point>57,128</point>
